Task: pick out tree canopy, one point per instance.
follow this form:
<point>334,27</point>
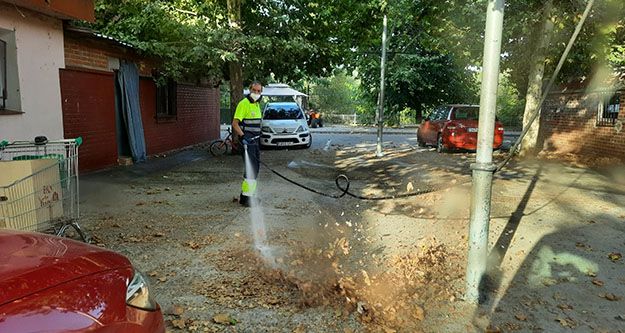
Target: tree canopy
<point>434,49</point>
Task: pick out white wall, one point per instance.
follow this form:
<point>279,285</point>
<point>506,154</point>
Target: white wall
<point>40,54</point>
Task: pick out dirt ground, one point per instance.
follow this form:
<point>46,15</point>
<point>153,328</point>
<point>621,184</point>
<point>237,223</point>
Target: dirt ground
<point>347,265</point>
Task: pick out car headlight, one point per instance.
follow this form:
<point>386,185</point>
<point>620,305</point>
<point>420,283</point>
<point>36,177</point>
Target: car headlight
<point>266,129</point>
<point>300,129</point>
<point>138,293</point>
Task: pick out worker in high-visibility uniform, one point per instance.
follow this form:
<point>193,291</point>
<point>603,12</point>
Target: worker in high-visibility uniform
<point>246,125</point>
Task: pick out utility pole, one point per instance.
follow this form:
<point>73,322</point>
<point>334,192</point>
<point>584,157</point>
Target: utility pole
<point>483,167</point>
<point>380,111</point>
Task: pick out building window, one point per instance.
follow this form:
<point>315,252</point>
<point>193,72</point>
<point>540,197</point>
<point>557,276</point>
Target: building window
<point>166,99</point>
<point>9,79</point>
<point>608,110</point>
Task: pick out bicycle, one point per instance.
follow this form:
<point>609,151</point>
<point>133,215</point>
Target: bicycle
<point>224,146</point>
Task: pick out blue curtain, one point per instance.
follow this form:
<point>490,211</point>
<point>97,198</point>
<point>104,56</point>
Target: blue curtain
<point>128,83</point>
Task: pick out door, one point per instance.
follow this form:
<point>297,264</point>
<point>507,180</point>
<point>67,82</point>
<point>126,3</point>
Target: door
<point>435,124</point>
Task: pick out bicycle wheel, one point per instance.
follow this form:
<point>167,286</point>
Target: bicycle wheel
<point>218,148</point>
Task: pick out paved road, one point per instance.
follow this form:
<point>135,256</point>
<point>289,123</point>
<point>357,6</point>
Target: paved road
<point>350,136</point>
<point>321,139</point>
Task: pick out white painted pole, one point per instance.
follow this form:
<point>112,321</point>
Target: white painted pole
<point>380,111</point>
<point>483,167</point>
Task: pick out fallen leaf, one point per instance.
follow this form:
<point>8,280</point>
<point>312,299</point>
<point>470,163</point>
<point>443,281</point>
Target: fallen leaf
<point>224,319</point>
<point>597,282</point>
<point>549,281</point>
<point>300,329</point>
<point>493,329</point>
<point>564,306</point>
<point>610,297</point>
<point>159,234</point>
<point>419,314</point>
<point>177,310</point>
<point>520,316</point>
<point>162,279</point>
<point>366,277</point>
<point>614,256</point>
<point>193,245</point>
<point>178,323</point>
<point>566,322</point>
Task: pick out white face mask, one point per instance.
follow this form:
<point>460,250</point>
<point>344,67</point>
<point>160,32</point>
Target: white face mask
<point>255,96</point>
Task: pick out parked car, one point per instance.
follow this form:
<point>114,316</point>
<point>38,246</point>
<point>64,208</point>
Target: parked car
<point>52,284</point>
<point>284,124</point>
<point>451,127</point>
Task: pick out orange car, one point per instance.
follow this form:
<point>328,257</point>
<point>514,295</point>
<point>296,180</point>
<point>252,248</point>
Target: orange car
<point>454,126</point>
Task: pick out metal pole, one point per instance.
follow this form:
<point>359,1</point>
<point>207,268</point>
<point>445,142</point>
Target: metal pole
<point>380,112</point>
<point>483,167</point>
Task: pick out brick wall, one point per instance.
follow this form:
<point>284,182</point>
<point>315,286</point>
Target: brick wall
<point>569,126</point>
<point>197,120</point>
<point>95,54</point>
<point>88,93</point>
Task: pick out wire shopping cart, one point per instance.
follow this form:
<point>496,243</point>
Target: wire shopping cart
<point>39,185</point>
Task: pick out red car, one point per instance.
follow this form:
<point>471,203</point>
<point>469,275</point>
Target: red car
<point>52,284</point>
<point>453,127</point>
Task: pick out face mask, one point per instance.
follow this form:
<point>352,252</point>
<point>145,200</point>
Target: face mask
<point>255,96</point>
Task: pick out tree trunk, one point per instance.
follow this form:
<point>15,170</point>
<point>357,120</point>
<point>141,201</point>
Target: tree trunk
<point>236,85</point>
<point>535,82</point>
<point>234,67</point>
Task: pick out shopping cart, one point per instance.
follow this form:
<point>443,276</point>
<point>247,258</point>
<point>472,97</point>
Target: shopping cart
<point>39,185</point>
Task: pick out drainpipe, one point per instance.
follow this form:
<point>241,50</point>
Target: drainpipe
<point>380,114</point>
<point>483,167</point>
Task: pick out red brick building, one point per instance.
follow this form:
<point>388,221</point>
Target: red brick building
<point>174,116</point>
<point>585,122</point>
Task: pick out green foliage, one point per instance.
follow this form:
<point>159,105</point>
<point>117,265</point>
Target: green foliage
<point>432,46</point>
<point>337,94</point>
<point>510,107</point>
<point>181,33</point>
<point>421,71</point>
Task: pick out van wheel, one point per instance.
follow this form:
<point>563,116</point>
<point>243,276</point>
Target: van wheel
<point>439,144</point>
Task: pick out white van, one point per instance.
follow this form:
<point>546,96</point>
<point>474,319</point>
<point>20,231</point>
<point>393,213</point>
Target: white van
<point>284,124</point>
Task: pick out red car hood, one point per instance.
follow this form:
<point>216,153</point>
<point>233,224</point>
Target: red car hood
<point>31,262</point>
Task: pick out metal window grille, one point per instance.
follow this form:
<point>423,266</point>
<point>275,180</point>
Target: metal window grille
<point>608,110</point>
<point>166,99</point>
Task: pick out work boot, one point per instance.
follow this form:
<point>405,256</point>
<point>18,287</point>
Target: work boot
<point>244,200</point>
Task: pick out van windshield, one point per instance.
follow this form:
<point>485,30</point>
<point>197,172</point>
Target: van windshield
<point>279,112</point>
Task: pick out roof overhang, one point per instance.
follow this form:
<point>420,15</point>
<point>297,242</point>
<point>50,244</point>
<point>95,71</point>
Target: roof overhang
<point>62,9</point>
<point>278,90</point>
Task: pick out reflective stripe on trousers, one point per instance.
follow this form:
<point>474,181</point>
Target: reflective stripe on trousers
<point>248,187</point>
